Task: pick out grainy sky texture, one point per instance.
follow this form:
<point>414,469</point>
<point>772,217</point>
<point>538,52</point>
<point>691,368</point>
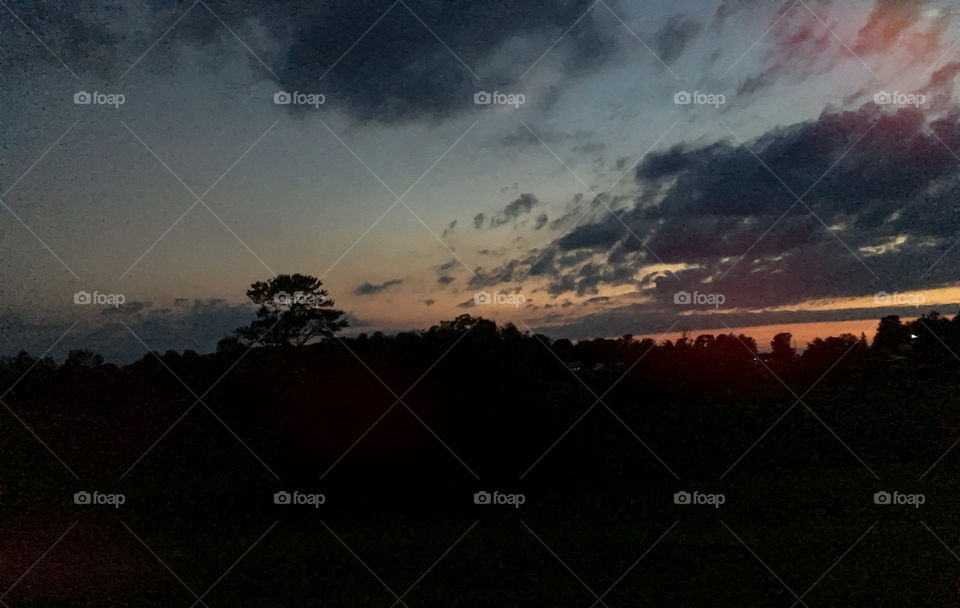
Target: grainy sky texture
<point>781,162</point>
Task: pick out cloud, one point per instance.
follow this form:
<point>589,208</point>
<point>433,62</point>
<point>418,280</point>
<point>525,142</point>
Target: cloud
<point>367,289</point>
<point>514,209</point>
<point>192,325</point>
<point>895,30</point>
<point>671,40</point>
<point>728,8</point>
<point>478,220</point>
<point>598,300</point>
<point>799,34</point>
<point>449,229</point>
<point>882,210</point>
<point>379,61</point>
<point>501,274</point>
<point>443,272</point>
<point>571,216</point>
<point>407,65</point>
<point>642,319</point>
<point>80,33</point>
<point>890,23</point>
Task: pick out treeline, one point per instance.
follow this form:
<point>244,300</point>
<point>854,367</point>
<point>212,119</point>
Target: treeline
<point>498,399</point>
<point>926,340</point>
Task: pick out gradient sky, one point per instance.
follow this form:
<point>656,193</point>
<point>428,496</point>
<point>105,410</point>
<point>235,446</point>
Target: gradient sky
<point>597,200</point>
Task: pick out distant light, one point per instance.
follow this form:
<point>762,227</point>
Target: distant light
<point>913,336</point>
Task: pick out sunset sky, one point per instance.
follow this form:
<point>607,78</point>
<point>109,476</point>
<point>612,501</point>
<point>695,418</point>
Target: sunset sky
<point>820,169</point>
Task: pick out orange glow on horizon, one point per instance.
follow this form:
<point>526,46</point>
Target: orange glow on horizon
<point>803,333</point>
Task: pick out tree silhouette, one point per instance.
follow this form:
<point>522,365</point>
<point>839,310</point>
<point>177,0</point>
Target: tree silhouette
<point>782,348</point>
<point>699,402</point>
<point>294,310</point>
<point>83,359</point>
<point>891,334</point>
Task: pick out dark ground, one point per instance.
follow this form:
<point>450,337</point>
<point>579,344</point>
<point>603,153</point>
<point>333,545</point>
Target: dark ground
<point>599,526</point>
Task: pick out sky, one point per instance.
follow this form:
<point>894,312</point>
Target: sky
<point>579,168</point>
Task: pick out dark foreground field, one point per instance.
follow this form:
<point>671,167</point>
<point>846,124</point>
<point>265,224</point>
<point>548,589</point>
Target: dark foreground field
<point>598,438</point>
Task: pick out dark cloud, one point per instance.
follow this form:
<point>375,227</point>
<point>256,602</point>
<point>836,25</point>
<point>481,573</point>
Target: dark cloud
<point>567,220</point>
<point>399,69</point>
<point>592,236</point>
<point>84,34</point>
<point>380,61</point>
<point>443,270</point>
<point>671,40</point>
<point>449,229</point>
<point>542,220</point>
<point>598,300</point>
<point>509,271</point>
<point>478,220</point>
<point>367,289</point>
<point>192,325</point>
<point>642,319</point>
<point>514,209</point>
<point>730,7</point>
<point>883,181</point>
